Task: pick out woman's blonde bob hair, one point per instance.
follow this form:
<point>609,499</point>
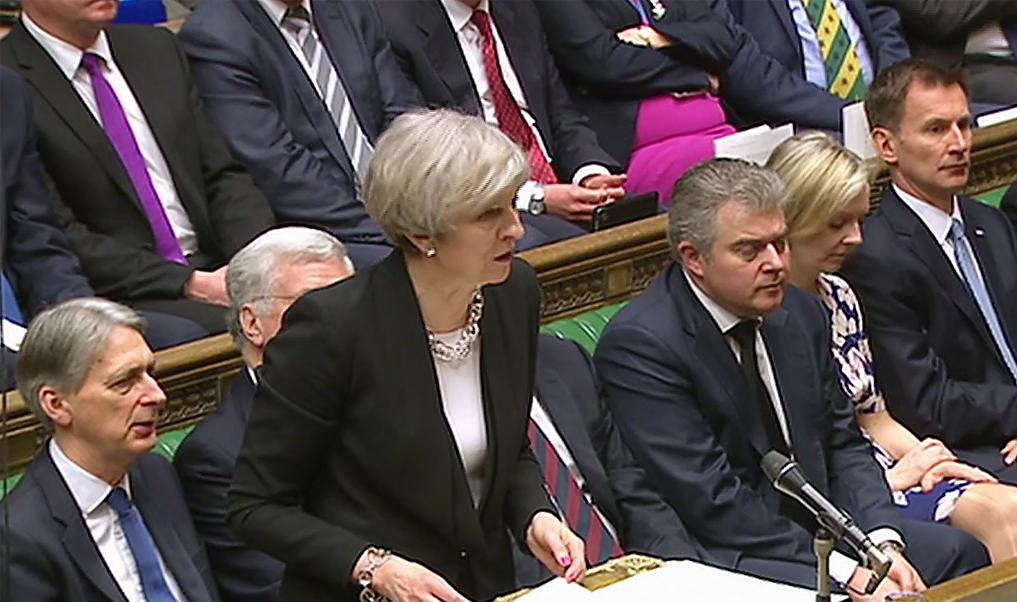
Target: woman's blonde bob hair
<point>822,178</point>
<point>432,168</point>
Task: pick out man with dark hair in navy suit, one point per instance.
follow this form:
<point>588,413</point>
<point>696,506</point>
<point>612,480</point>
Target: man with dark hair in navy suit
<point>719,362</point>
<point>937,274</point>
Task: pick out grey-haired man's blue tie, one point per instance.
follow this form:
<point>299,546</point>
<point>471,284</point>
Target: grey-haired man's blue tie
<point>153,582</point>
<point>976,285</point>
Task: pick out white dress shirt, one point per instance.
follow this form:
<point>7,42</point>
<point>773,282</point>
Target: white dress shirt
<point>68,60</point>
<point>938,223</point>
<point>90,493</point>
<point>841,567</point>
<point>462,399</point>
<point>546,426</point>
<point>471,41</point>
<point>812,54</point>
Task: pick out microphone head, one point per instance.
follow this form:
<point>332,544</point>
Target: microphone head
<point>773,463</point>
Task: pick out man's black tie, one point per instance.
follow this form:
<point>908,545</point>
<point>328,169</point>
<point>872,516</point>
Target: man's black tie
<point>744,334</point>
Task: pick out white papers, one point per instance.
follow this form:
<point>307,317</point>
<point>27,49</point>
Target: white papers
<point>754,144</point>
<point>13,334</point>
<point>685,580</point>
<point>996,117</point>
<point>857,138</point>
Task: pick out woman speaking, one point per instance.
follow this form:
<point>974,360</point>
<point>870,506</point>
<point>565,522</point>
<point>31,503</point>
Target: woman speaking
<point>386,456</point>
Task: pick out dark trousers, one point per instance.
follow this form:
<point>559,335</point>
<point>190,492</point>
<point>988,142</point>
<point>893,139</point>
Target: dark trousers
<point>989,460</point>
<point>175,321</point>
<point>544,230</point>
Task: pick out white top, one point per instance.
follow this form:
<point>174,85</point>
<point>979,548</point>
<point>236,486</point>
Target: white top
<point>68,60</point>
<point>543,420</point>
<point>90,493</point>
<point>841,567</point>
<point>938,223</point>
<point>462,399</point>
<point>471,41</point>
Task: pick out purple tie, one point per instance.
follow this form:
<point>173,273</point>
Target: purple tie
<point>118,130</point>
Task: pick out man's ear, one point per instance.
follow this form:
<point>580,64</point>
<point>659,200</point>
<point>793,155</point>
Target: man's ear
<point>56,406</point>
<point>692,259</point>
<point>885,143</point>
<point>251,327</point>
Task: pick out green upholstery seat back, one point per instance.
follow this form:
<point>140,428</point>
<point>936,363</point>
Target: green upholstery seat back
<point>585,328</point>
<point>166,446</point>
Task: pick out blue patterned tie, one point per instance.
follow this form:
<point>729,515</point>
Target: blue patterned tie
<point>976,285</point>
<point>153,583</point>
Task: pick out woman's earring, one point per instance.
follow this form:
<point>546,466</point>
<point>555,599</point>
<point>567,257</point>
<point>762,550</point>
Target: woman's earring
<point>430,252</point>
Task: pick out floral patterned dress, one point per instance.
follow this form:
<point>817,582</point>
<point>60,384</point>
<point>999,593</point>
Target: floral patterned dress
<point>857,378</point>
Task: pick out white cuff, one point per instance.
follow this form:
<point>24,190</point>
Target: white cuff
<point>843,567</point>
<point>590,169</point>
<point>523,195</point>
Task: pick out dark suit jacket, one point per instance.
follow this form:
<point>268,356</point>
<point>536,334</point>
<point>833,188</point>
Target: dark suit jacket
<point>936,360</point>
<point>256,91</point>
<point>205,462</point>
<point>347,445</point>
<point>568,389</point>
<point>937,30</point>
<point>53,558</point>
<point>429,53</point>
<point>607,78</point>
<point>779,91</point>
<point>676,390</point>
<point>103,215</point>
<point>36,254</point>
<point>1009,205</point>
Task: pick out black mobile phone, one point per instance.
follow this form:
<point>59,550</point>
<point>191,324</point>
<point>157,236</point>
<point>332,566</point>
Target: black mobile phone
<point>627,209</point>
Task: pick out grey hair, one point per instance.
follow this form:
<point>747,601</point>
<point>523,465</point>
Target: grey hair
<point>700,193</point>
<point>63,342</point>
<point>431,168</point>
<point>252,273</point>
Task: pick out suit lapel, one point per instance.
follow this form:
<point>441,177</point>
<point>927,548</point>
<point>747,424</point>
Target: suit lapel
<point>910,229</point>
<point>44,75</point>
<point>441,45</point>
<point>174,554</point>
<point>76,537</point>
<point>300,84</point>
<point>784,16</point>
<point>715,352</point>
<point>350,62</point>
<point>519,52</point>
<point>988,262</point>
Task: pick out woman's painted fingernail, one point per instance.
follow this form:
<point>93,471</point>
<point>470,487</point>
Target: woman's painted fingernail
<point>565,561</point>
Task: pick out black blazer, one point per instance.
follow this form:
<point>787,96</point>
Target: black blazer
<point>53,557</point>
<point>257,92</point>
<point>683,406</point>
<point>36,254</point>
<point>101,211</point>
<point>205,462</point>
<point>607,78</point>
<point>1009,205</point>
<point>934,355</point>
<point>348,446</point>
<point>428,52</point>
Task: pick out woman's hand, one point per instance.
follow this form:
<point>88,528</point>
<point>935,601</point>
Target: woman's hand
<point>556,546</point>
<point>919,460</point>
<point>400,580</point>
<point>952,469</point>
<point>644,35</point>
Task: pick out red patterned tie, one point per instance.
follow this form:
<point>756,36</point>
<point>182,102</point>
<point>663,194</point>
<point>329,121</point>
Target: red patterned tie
<point>582,516</point>
<point>510,118</point>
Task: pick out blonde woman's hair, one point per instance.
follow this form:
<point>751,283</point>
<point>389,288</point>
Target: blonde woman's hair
<point>822,178</point>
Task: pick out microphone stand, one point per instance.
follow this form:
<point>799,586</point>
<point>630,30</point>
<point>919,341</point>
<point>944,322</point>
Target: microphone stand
<point>823,544</point>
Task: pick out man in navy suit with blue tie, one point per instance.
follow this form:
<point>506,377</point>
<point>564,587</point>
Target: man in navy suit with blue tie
<point>301,89</point>
<point>96,517</point>
<point>937,274</point>
<point>720,361</point>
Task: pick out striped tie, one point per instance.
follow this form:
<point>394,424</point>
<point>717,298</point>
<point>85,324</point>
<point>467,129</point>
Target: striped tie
<point>330,87</point>
<point>581,515</point>
<point>844,76</point>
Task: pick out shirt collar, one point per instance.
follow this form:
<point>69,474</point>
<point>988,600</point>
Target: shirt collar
<point>935,219</point>
<point>88,490</point>
<point>460,14</point>
<point>65,55</point>
<point>276,9</point>
<point>724,319</point>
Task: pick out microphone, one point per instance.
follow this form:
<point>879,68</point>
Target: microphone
<point>789,480</point>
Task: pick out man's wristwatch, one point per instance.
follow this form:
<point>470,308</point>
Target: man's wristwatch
<point>537,205</point>
<point>891,545</point>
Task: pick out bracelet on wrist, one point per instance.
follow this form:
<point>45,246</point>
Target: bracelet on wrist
<point>365,578</point>
<point>891,545</point>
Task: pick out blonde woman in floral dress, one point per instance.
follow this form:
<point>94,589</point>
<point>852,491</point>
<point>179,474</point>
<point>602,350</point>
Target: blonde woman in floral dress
<point>829,190</point>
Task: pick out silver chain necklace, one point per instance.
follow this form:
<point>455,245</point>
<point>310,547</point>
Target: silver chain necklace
<point>463,346</point>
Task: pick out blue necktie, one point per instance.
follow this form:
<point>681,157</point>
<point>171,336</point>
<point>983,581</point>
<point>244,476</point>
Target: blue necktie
<point>10,310</point>
<point>976,285</point>
<point>643,15</point>
<point>153,583</point>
